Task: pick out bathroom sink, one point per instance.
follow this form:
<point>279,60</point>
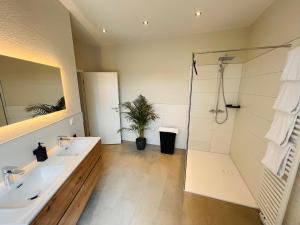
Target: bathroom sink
<point>31,187</point>
<point>76,147</point>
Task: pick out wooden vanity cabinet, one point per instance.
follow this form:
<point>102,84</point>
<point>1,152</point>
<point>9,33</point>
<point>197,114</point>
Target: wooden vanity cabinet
<point>67,204</point>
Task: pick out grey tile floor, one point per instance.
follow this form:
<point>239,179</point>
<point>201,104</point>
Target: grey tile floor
<point>146,188</point>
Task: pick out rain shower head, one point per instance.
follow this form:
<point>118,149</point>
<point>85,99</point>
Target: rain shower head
<point>226,58</point>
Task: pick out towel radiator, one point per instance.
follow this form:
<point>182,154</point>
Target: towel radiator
<point>275,191</point>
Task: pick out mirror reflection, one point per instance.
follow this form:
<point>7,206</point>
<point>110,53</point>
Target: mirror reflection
<point>28,89</point>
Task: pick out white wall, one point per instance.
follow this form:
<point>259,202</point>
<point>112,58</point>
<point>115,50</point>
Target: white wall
<point>278,24</point>
<point>205,133</point>
<point>39,31</point>
<point>170,115</point>
<point>258,89</point>
<point>87,56</point>
<point>160,70</point>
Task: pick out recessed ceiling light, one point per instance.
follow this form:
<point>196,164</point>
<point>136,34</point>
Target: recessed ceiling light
<point>104,30</point>
<point>146,22</point>
<point>198,13</point>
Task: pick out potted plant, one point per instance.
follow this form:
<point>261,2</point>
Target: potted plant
<point>140,113</point>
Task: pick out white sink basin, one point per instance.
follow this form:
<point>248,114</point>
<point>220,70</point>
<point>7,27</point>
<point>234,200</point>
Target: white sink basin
<point>76,147</point>
<point>30,187</point>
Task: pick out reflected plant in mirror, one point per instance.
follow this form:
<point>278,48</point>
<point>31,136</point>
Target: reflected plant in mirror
<point>28,89</point>
<point>43,109</point>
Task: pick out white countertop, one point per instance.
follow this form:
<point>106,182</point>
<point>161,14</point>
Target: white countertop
<point>24,216</point>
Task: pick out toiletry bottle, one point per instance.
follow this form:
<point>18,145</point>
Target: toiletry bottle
<point>40,153</point>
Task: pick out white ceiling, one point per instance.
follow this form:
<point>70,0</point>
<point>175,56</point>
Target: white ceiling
<point>167,18</point>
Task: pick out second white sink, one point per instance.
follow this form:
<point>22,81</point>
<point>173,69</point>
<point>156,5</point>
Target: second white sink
<point>30,187</point>
<point>76,147</point>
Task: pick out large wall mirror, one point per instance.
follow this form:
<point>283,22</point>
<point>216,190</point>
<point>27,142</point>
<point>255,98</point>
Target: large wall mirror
<point>28,90</point>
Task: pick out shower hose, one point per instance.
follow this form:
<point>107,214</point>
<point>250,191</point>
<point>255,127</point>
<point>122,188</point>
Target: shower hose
<point>221,89</point>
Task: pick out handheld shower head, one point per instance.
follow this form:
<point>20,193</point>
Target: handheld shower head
<point>222,60</point>
<point>221,89</point>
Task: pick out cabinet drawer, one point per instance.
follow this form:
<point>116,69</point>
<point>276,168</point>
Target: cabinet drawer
<point>54,210</point>
<point>74,211</point>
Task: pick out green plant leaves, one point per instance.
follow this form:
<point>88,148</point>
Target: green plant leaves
<point>43,109</point>
<point>140,113</point>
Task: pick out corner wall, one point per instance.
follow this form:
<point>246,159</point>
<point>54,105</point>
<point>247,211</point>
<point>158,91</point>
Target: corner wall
<point>259,87</point>
<point>87,57</point>
<point>39,31</point>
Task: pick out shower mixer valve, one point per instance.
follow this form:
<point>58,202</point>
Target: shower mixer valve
<point>218,111</point>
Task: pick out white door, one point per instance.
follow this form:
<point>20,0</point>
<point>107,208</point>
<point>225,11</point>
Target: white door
<point>102,101</point>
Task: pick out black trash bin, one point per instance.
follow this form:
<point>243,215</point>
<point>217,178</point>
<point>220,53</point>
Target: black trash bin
<point>167,139</point>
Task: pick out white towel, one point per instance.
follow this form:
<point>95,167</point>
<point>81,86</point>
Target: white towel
<point>281,128</point>
<point>292,67</point>
<point>288,99</point>
<point>276,158</point>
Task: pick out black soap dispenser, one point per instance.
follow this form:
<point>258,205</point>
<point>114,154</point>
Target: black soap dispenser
<point>40,153</point>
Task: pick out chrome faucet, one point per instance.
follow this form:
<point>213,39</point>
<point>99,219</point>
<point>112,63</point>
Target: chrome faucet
<point>61,139</point>
<point>8,173</point>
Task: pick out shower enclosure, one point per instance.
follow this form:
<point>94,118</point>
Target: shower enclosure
<point>214,110</point>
